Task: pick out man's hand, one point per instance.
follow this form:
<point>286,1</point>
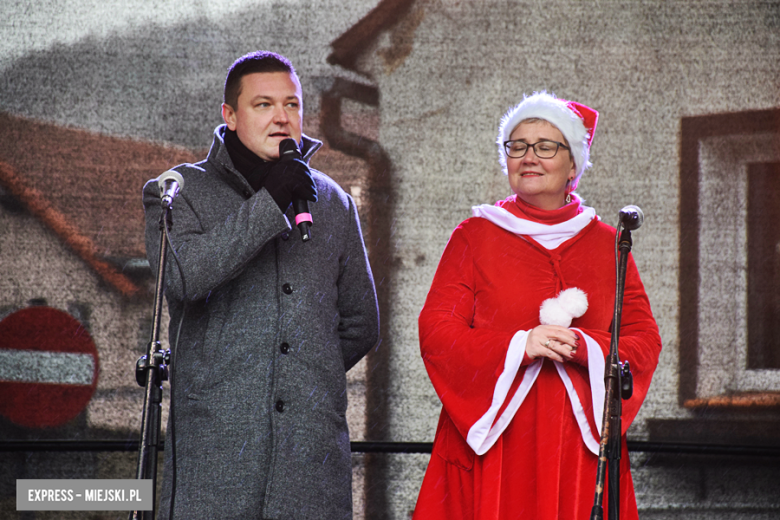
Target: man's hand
<point>289,179</point>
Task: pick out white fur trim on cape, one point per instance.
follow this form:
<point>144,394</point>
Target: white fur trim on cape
<point>596,364</point>
<point>549,236</point>
<point>548,107</point>
<point>484,433</point>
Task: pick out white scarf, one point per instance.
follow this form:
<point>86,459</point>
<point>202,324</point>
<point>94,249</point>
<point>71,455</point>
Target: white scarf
<point>548,235</point>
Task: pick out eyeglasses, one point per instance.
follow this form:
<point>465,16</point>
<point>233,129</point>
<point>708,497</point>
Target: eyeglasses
<point>542,149</point>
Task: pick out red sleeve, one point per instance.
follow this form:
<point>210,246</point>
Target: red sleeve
<point>640,342</point>
<point>463,362</point>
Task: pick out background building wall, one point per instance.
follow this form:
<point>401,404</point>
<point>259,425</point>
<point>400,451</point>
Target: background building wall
<point>445,72</point>
<point>644,66</point>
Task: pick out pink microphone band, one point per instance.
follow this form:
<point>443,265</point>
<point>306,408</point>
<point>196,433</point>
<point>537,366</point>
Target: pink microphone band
<point>302,217</point>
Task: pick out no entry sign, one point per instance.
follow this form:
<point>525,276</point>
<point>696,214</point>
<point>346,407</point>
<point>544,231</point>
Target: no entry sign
<point>48,367</point>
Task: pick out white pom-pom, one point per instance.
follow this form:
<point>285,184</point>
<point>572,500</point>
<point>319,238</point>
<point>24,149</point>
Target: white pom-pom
<point>551,313</point>
<point>574,301</point>
<point>569,304</point>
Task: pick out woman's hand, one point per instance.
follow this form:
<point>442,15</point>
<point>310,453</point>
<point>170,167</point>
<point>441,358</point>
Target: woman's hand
<point>551,341</point>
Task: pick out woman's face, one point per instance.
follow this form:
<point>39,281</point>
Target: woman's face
<point>540,182</point>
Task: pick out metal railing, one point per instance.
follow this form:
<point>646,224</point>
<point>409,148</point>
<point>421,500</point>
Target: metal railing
<point>393,447</point>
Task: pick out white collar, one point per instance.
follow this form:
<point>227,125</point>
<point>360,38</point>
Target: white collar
<point>548,235</point>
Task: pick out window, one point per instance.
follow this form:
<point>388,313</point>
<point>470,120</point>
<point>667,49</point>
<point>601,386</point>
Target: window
<point>730,260</point>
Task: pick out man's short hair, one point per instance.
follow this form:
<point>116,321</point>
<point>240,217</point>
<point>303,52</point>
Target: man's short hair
<point>258,61</point>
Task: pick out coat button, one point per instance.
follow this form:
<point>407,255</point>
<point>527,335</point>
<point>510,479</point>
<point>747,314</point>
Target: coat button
<point>280,406</point>
<point>287,288</point>
<point>285,236</point>
<point>284,347</point>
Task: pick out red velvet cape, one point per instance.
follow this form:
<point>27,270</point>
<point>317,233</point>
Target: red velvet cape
<point>490,283</point>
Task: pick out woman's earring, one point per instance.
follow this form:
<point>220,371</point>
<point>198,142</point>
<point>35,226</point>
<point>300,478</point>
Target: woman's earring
<point>568,198</point>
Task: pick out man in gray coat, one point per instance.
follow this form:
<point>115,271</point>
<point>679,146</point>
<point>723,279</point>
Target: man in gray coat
<point>269,324</point>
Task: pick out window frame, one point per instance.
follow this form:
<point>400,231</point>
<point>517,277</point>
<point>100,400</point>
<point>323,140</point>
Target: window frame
<point>694,132</point>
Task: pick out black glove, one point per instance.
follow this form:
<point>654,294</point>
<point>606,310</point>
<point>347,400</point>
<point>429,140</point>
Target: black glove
<point>289,179</point>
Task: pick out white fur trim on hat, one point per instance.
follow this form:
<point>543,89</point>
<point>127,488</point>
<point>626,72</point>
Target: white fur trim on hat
<point>555,111</point>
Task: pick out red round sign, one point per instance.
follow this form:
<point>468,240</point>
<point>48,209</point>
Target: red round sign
<point>48,367</point>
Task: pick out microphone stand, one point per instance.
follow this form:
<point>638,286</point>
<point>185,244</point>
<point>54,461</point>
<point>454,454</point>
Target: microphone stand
<point>619,383</point>
<point>150,372</point>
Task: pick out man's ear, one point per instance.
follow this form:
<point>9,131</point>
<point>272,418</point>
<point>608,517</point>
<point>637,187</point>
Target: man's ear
<point>229,115</point>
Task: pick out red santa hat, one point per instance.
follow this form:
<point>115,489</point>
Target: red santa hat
<point>576,122</point>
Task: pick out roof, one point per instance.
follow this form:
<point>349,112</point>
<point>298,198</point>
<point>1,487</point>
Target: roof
<point>86,187</point>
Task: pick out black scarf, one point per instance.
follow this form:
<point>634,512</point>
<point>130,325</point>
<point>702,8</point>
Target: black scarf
<point>253,168</point>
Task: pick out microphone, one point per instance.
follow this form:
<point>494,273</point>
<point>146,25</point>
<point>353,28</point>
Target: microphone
<point>631,217</point>
<point>170,183</point>
<point>288,150</point>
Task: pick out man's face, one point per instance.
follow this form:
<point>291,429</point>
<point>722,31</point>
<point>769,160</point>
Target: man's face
<point>270,109</point>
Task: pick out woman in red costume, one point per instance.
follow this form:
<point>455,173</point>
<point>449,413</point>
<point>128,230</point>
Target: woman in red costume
<point>515,331</point>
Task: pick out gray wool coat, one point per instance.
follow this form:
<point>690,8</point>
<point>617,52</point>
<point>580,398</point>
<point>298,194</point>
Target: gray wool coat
<point>270,327</point>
